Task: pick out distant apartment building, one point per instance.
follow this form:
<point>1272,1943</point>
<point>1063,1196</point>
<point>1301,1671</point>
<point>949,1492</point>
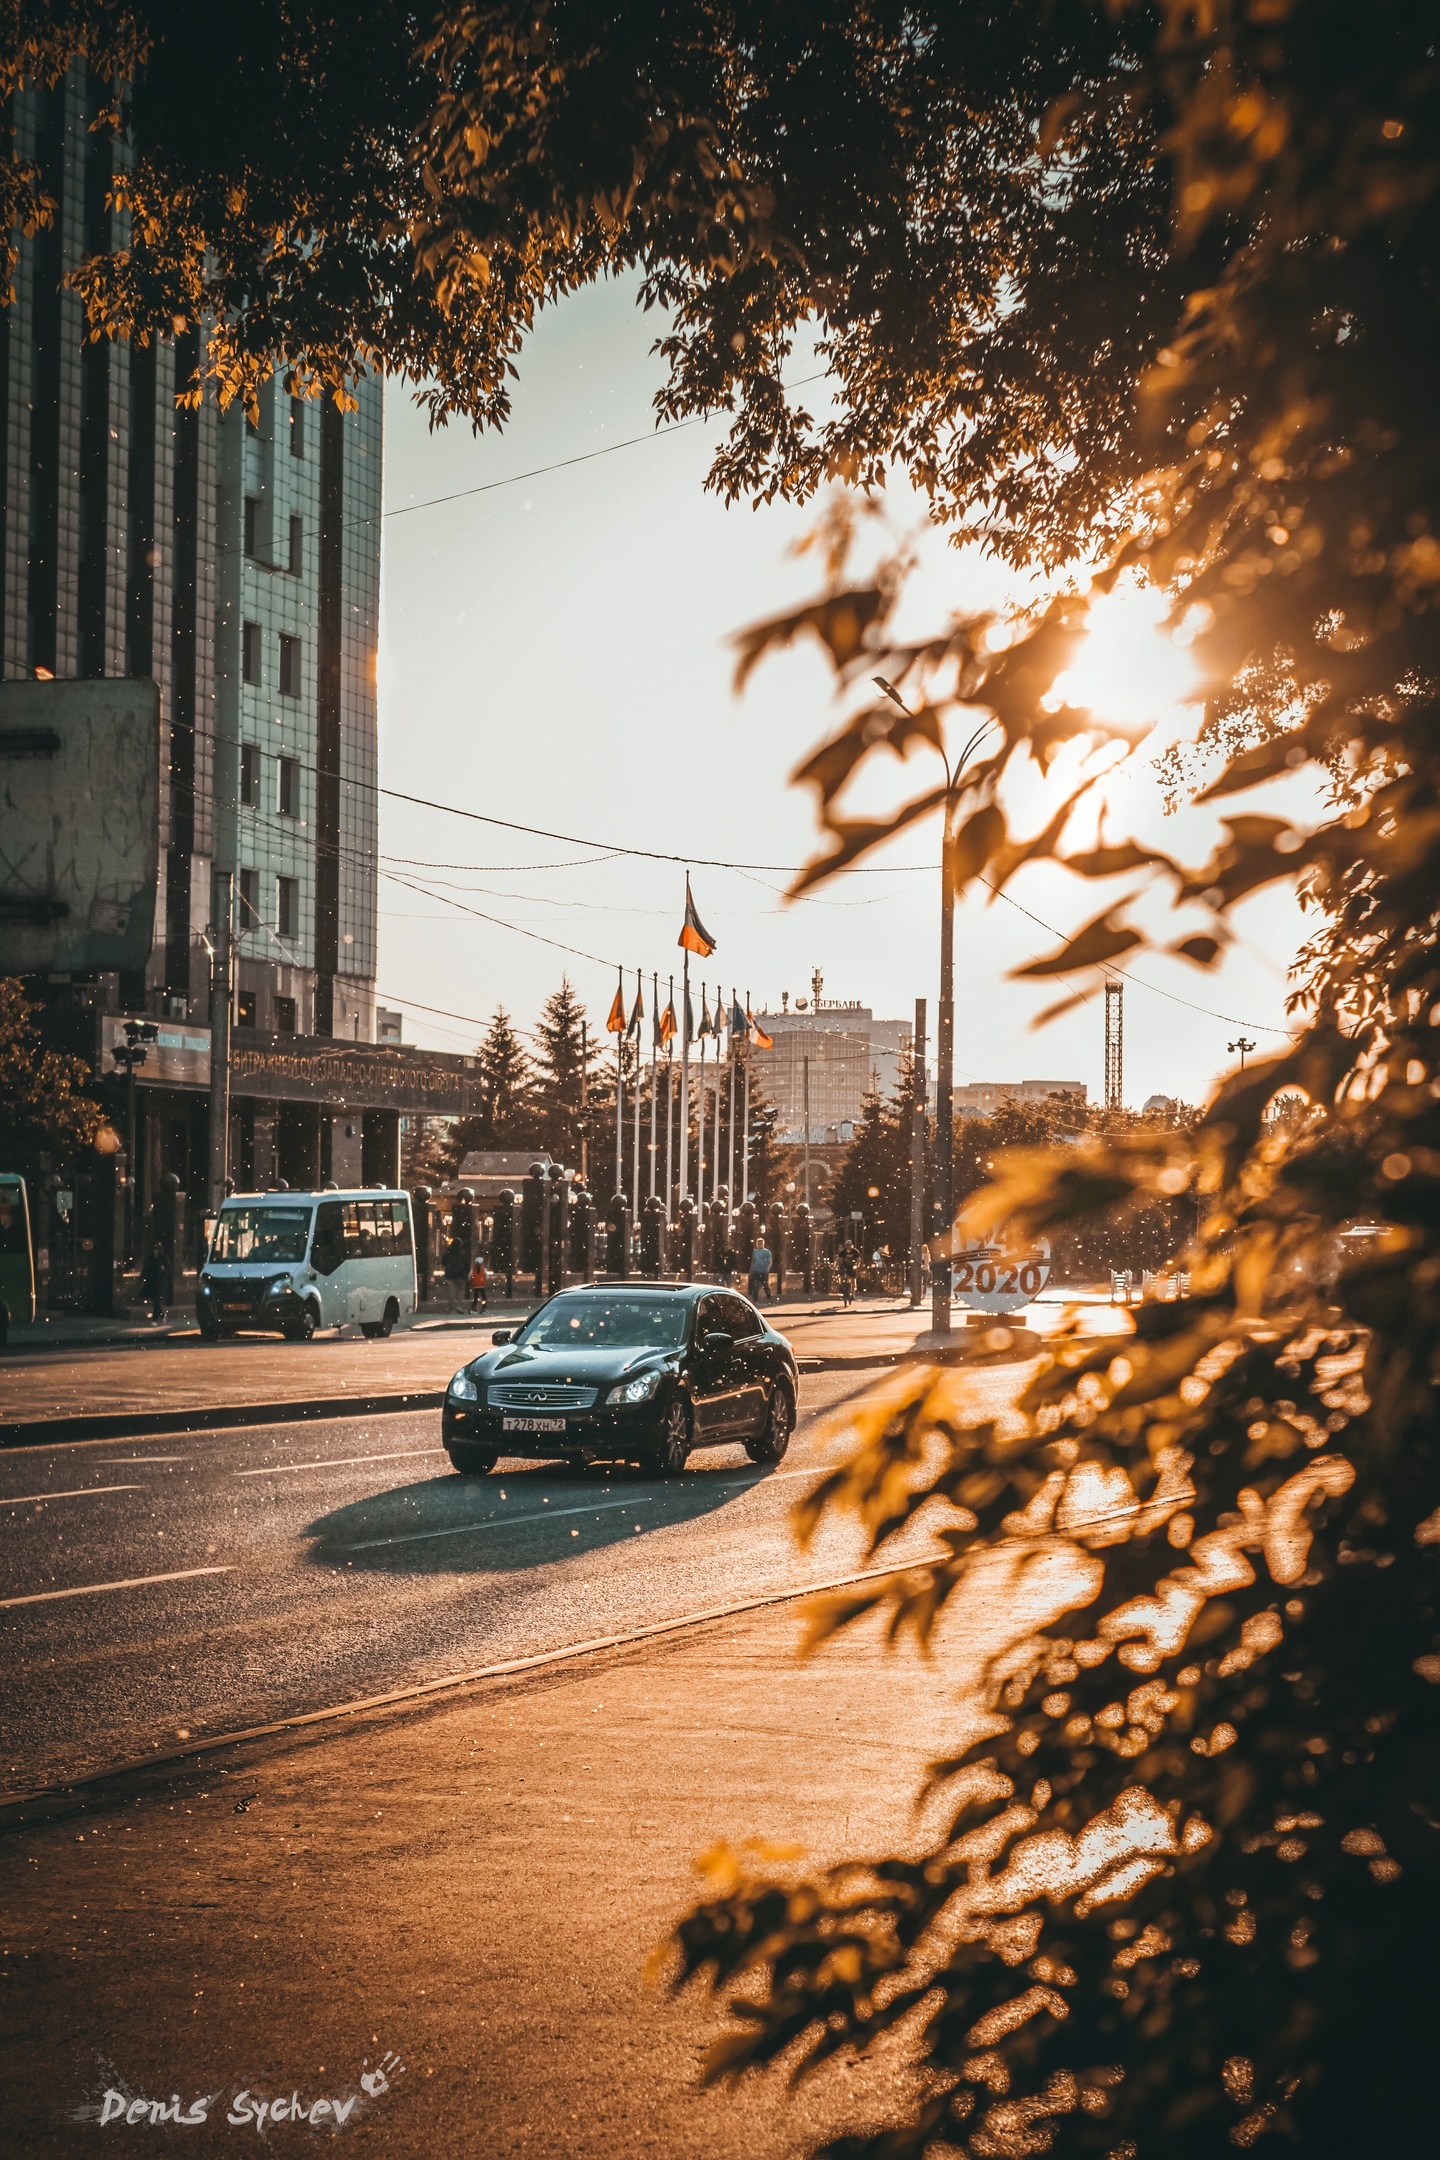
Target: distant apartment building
<point>981,1098</point>
<point>839,1050</point>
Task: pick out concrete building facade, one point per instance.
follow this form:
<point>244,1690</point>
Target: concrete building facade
<point>237,566</point>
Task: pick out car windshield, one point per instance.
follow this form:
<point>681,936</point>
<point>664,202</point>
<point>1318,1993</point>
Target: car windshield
<point>607,1323</point>
<point>263,1234</point>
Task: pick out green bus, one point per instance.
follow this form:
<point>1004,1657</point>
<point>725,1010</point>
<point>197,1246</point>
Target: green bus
<point>17,1254</point>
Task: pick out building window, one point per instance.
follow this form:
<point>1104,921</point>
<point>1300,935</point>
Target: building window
<point>285,1007</point>
<point>297,427</point>
<point>249,775</point>
<point>249,900</point>
<point>297,546</point>
<point>245,1009</point>
<point>289,666</point>
<point>250,644</point>
<point>287,914</point>
<point>289,787</point>
<point>252,526</point>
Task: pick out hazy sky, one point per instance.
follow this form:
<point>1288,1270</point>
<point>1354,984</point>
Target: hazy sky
<point>556,652</point>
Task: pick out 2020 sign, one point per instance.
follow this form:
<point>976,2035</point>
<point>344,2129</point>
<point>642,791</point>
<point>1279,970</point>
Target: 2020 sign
<point>989,1279</point>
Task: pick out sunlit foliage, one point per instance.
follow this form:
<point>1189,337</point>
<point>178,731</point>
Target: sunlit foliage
<point>1187,1895</point>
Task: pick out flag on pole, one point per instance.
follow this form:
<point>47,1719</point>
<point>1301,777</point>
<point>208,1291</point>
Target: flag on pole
<point>704,1015</point>
<point>666,1025</point>
<point>615,1025</point>
<point>693,934</point>
<point>738,1025</point>
<point>764,1041</point>
<point>638,1013</point>
<point>689,1016</point>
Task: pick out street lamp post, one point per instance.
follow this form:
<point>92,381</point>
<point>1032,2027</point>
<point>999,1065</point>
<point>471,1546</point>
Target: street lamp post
<point>139,1034</point>
<point>1244,1047</point>
<point>942,1219</point>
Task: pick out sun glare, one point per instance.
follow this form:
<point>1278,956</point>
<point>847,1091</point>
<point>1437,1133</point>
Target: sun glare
<point>1129,670</point>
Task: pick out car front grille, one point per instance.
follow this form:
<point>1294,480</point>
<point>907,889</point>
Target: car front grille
<point>511,1395</point>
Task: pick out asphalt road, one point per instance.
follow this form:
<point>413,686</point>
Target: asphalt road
<point>156,1591</point>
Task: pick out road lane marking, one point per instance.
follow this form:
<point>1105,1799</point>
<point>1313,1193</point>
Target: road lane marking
<point>493,1522</point>
<point>76,1492</point>
<point>123,1461</point>
<point>131,1582</point>
<point>339,1462</point>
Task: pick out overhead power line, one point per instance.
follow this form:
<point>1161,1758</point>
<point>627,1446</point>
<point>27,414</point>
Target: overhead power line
<point>583,457</point>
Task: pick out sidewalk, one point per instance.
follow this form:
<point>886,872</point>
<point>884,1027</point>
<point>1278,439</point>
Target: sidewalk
<point>471,1887</point>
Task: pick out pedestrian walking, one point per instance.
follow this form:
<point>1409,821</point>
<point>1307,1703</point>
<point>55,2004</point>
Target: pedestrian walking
<point>157,1271</point>
<point>758,1280</point>
<point>479,1285</point>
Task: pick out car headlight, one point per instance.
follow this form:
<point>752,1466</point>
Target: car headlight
<point>463,1388</point>
<point>640,1389</point>
<point>278,1286</point>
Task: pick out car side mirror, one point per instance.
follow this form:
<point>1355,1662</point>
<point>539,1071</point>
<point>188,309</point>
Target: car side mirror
<point>501,1335</point>
<point>716,1341</point>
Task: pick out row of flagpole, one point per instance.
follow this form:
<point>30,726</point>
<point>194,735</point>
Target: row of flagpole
<point>742,1027</point>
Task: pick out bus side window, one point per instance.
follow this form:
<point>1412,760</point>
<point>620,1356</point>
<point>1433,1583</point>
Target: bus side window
<point>374,1229</point>
<point>328,1250</point>
<point>404,1244</point>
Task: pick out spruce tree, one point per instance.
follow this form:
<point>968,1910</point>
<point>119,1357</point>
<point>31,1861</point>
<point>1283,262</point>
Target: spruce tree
<point>560,1035</point>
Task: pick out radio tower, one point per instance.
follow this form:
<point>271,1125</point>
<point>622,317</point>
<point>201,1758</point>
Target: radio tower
<point>1114,1043</point>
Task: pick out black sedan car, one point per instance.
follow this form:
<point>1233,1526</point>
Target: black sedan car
<point>626,1372</point>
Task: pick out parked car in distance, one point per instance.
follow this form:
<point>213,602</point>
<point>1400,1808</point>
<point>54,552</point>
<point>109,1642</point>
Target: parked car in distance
<point>295,1261</point>
<point>626,1371</point>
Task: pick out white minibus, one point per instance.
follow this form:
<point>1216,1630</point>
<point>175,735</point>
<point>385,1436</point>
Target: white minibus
<point>295,1261</point>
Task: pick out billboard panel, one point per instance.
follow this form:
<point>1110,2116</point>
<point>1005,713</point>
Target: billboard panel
<point>79,825</point>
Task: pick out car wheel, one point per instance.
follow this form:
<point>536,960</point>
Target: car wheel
<point>668,1457</point>
<point>771,1444</point>
<point>471,1461</point>
<point>210,1329</point>
<point>301,1325</point>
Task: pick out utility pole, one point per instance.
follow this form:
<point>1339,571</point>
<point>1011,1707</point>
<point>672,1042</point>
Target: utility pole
<point>942,1226</point>
<point>222,903</point>
<point>942,1221</point>
<point>1244,1046</point>
<point>918,1120</point>
<point>806,1083</point>
<point>584,1121</point>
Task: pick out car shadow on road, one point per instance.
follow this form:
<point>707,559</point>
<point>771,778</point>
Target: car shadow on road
<point>527,1516</point>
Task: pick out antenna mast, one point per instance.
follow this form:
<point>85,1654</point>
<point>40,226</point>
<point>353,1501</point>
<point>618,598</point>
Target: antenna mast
<point>1114,1043</point>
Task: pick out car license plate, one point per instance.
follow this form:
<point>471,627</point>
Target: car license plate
<point>532,1424</point>
<point>235,1305</point>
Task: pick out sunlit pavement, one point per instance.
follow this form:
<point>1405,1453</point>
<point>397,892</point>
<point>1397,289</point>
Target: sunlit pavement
<point>470,1885</point>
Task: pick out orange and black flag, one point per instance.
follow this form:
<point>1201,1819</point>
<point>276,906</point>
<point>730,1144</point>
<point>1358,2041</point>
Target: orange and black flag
<point>693,934</point>
<point>638,1013</point>
<point>615,1025</point>
<point>667,1027</point>
<point>763,1041</point>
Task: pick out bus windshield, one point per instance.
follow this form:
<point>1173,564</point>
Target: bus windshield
<point>261,1234</point>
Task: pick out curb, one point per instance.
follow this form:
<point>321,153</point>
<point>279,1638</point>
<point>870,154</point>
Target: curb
<point>130,1424</point>
<point>420,1691</point>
